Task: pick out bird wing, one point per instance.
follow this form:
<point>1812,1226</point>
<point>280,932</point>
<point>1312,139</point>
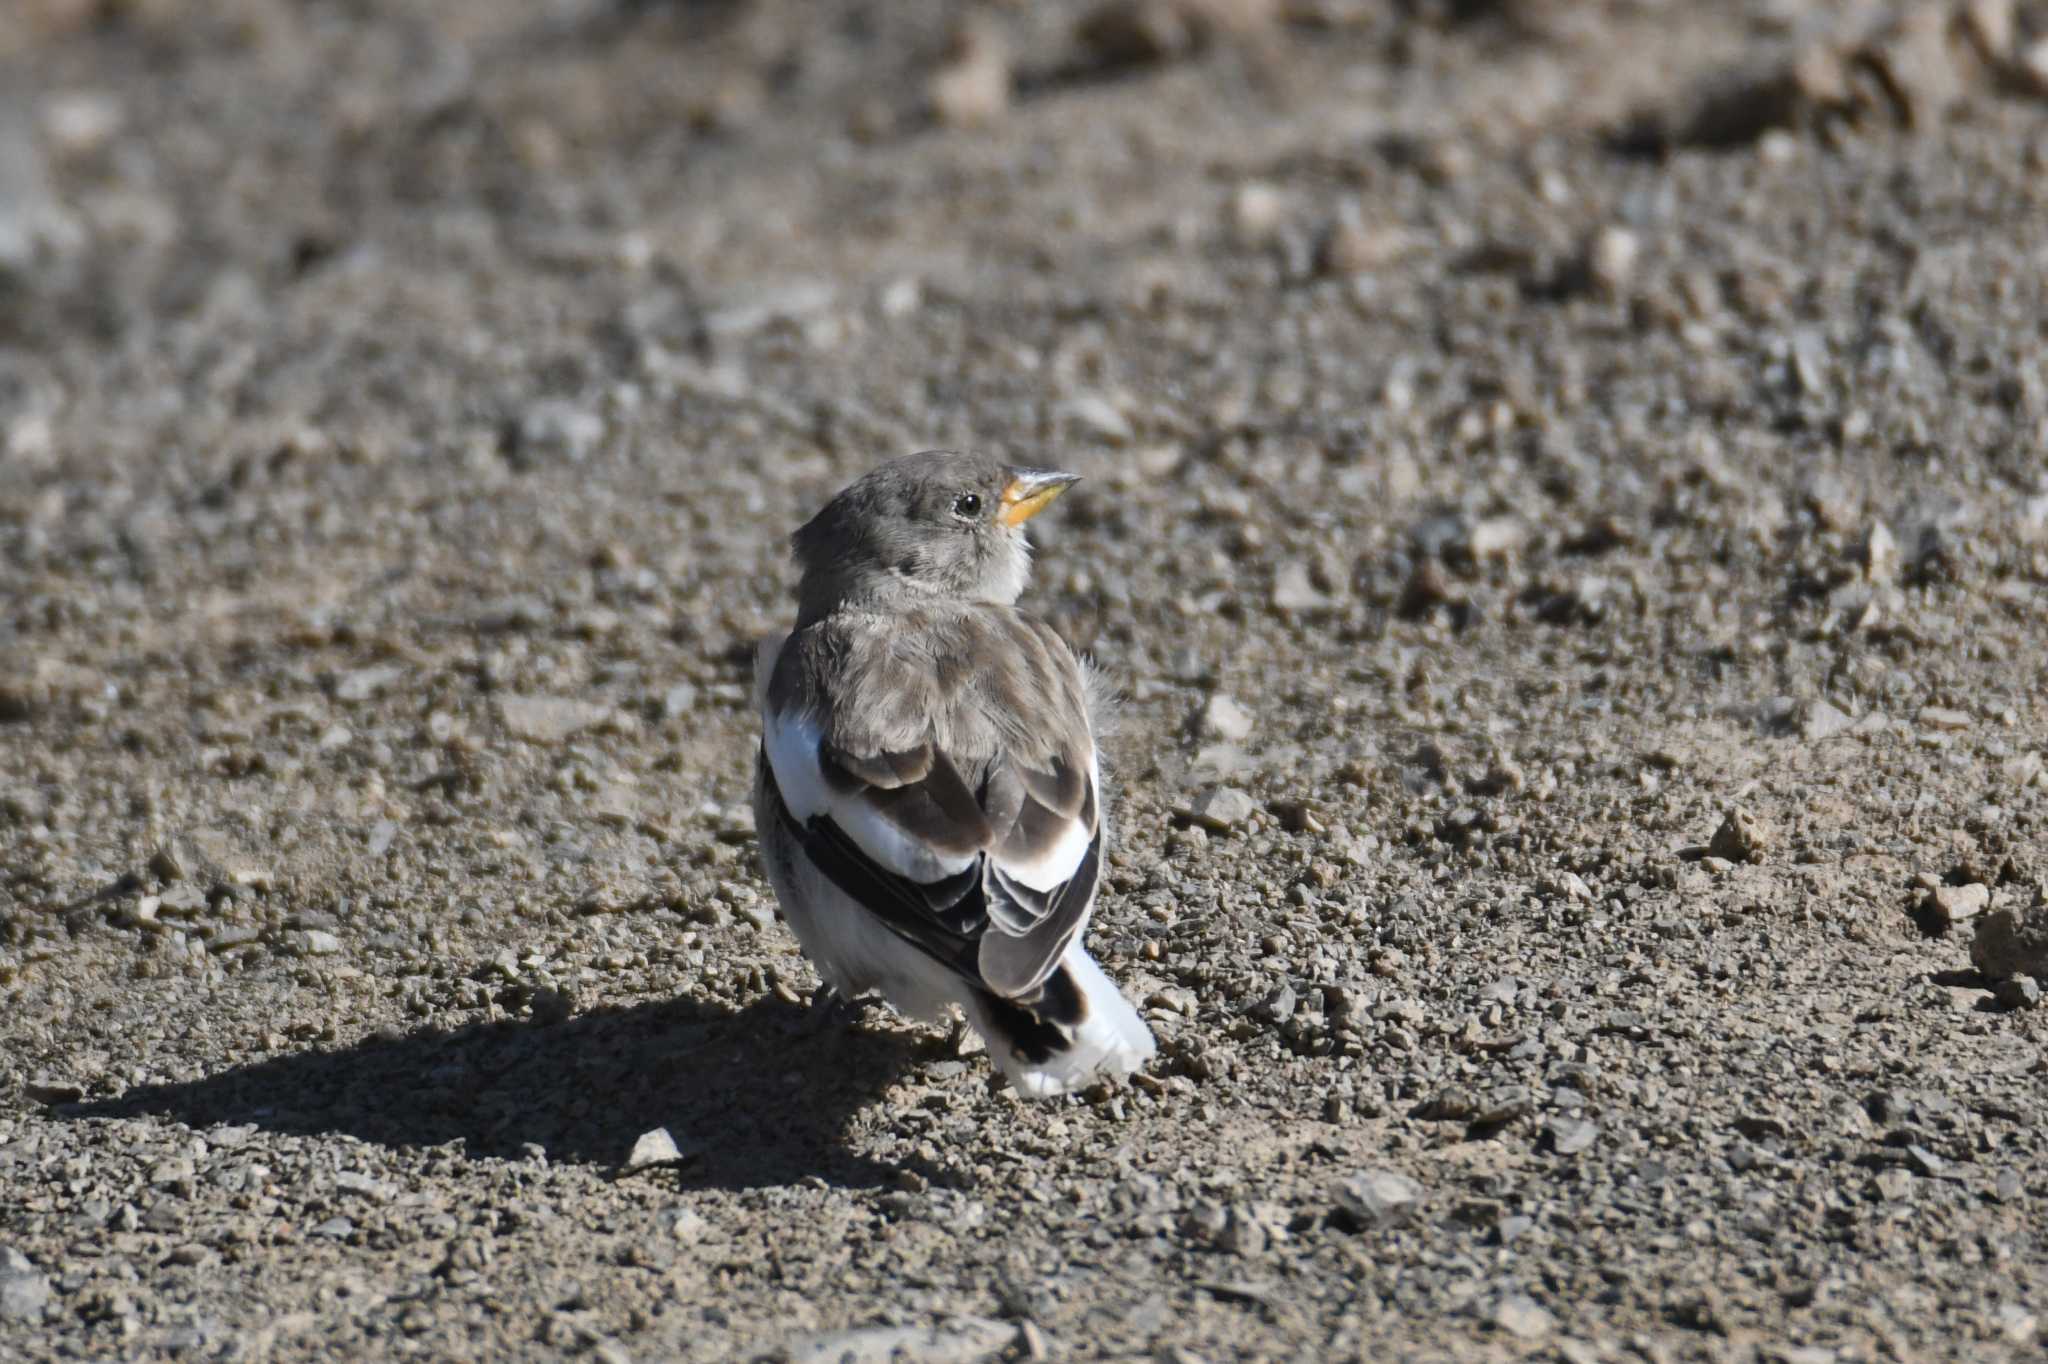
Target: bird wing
<point>941,770</point>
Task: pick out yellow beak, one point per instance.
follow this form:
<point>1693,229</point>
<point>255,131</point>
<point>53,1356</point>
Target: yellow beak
<point>1030,492</point>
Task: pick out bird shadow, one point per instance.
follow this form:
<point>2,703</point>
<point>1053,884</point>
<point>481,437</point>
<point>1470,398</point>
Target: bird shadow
<point>754,1097</point>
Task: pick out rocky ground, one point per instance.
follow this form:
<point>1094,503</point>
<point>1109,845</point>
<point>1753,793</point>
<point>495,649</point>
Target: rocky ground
<point>1566,510</point>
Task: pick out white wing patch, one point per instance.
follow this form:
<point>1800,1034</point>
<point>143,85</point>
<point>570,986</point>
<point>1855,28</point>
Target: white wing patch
<point>792,744</point>
<point>1057,864</point>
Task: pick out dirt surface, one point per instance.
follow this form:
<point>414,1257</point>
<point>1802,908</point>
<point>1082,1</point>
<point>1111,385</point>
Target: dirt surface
<point>1566,510</point>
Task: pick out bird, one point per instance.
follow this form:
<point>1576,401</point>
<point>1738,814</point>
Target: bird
<point>928,791</point>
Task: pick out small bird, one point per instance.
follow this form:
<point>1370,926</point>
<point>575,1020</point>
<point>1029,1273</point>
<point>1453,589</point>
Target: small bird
<point>928,793</point>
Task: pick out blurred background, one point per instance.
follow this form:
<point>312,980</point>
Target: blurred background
<point>245,246</point>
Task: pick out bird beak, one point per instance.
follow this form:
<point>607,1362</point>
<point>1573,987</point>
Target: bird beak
<point>1030,492</point>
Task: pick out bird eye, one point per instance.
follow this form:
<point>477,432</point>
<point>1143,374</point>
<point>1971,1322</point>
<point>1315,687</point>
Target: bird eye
<point>967,505</point>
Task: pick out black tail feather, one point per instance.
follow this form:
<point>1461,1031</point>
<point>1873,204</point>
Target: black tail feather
<point>1044,1026</point>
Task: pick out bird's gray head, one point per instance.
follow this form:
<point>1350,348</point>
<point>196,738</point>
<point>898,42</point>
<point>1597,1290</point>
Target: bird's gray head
<point>936,525</point>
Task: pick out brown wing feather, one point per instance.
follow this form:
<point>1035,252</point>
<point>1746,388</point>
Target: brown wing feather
<point>968,728</point>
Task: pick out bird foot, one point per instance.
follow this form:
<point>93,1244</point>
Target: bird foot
<point>962,1041</point>
<point>830,1010</point>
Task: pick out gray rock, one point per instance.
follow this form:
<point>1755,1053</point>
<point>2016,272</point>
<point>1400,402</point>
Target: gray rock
<point>1611,257</point>
<point>1276,1007</point>
<point>1810,364</point>
<point>1443,536</point>
<point>973,88</point>
<point>510,615</point>
<point>1224,719</point>
<point>1823,720</point>
<point>1295,590</point>
<point>312,942</point>
<point>1221,808</point>
<point>1244,1232</point>
<point>686,1225</point>
<point>549,719</point>
<point>1098,417</point>
<point>1878,555</point>
<point>1257,211</point>
<point>1568,885</point>
<point>2012,942</point>
<point>1376,1198</point>
<point>2019,992</point>
<point>1204,1221</point>
<point>182,900</point>
<point>653,1148</point>
<point>49,1090</point>
<point>34,227</point>
<point>678,700</point>
<point>363,1186</point>
<point>789,301</point>
<point>1953,904</point>
<point>1945,718</point>
<point>1925,1163</point>
<point>1219,762</point>
<point>1495,537</point>
<point>363,684</point>
<point>1741,838</point>
<point>172,861</point>
<point>1522,1317</point>
<point>232,937</point>
<point>1569,1136</point>
<point>553,429</point>
<point>1504,1105</point>
<point>955,1340</point>
<point>24,1290</point>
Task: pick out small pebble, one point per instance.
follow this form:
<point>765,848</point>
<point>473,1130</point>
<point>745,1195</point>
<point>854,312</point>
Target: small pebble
<point>1953,904</point>
<point>1523,1317</point>
<point>549,719</point>
<point>972,89</point>
<point>685,1225</point>
<point>1878,555</point>
<point>1295,590</point>
<point>2012,942</point>
<point>1257,211</point>
<point>1221,809</point>
<point>1823,720</point>
<point>1376,1198</point>
<point>1741,837</point>
<point>1943,718</point>
<point>1611,257</point>
<point>312,942</point>
<point>1224,719</point>
<point>2019,992</point>
<point>24,1290</point>
<point>656,1147</point>
<point>555,430</point>
<point>1098,418</point>
<point>1569,1136</point>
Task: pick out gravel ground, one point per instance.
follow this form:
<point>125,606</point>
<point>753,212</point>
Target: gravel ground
<point>1566,510</point>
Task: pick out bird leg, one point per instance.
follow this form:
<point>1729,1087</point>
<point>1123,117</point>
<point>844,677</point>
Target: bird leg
<point>830,1009</point>
<point>961,1039</point>
<point>824,1011</point>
